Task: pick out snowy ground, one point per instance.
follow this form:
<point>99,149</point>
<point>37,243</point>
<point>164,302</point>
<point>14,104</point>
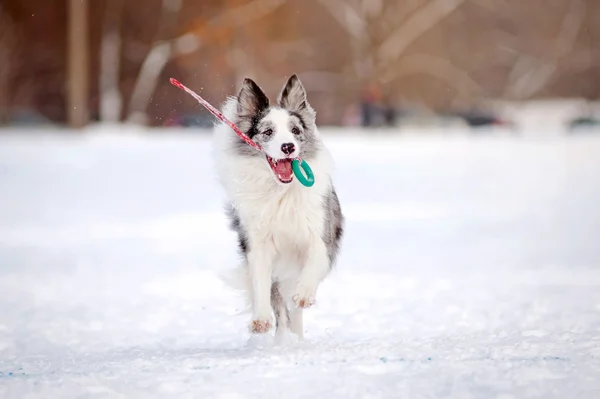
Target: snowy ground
<point>470,269</point>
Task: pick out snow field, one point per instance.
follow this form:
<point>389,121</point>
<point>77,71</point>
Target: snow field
<point>470,269</point>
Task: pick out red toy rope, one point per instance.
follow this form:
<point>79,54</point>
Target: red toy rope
<point>216,113</point>
<point>297,163</point>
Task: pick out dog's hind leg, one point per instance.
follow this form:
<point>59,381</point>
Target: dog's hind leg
<point>282,314</point>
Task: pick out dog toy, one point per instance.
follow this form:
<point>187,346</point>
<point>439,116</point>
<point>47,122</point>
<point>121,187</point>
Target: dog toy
<point>298,165</point>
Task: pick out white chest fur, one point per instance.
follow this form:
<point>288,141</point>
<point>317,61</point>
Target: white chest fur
<point>288,216</point>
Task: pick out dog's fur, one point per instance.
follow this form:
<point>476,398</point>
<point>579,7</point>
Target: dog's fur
<point>289,234</point>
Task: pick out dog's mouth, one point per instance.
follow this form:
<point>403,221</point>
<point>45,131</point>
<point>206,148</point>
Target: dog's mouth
<point>282,169</point>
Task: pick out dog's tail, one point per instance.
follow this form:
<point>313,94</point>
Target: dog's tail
<point>238,279</point>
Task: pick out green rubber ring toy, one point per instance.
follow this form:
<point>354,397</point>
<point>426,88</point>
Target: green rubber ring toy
<point>307,180</point>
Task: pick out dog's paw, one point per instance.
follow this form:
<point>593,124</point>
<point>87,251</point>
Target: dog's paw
<point>304,302</point>
<point>260,326</point>
<point>305,296</point>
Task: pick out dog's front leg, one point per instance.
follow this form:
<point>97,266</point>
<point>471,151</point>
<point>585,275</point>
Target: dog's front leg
<point>260,264</point>
<point>314,271</point>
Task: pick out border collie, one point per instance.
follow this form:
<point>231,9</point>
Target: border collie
<point>288,234</point>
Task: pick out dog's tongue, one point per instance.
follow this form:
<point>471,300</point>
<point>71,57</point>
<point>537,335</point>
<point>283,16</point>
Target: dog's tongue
<point>284,169</point>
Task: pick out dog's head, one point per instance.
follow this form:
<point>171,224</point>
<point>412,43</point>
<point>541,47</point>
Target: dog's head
<point>285,130</point>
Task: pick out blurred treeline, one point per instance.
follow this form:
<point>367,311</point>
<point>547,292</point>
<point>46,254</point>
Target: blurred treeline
<point>436,54</point>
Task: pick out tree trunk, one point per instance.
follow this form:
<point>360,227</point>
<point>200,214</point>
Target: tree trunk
<point>165,47</point>
<point>111,101</point>
<point>152,67</point>
<point>8,43</point>
<point>78,85</point>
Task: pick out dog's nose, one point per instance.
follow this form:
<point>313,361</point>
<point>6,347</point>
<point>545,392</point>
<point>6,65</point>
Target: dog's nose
<point>288,148</point>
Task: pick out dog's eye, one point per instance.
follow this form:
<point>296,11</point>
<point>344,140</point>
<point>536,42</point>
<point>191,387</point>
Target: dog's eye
<point>268,132</point>
<point>295,130</point>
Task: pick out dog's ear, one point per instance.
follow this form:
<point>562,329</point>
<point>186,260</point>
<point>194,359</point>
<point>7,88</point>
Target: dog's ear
<point>293,95</point>
<point>251,99</point>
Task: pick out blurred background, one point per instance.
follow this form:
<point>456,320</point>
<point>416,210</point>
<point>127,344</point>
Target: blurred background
<point>470,264</point>
<point>363,62</point>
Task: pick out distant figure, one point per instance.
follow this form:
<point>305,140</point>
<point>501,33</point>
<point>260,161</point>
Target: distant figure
<point>371,98</point>
<point>389,114</point>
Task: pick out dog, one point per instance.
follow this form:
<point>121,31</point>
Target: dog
<point>289,235</point>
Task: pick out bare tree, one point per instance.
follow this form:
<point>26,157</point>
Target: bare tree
<point>165,49</point>
<point>111,100</point>
<point>78,65</point>
<point>438,68</point>
<point>420,22</point>
<point>377,40</point>
<point>8,50</point>
<point>155,61</point>
<point>531,74</point>
<point>380,33</point>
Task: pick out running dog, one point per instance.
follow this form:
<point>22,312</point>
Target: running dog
<point>288,234</point>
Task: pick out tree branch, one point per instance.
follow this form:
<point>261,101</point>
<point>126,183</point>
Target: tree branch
<point>530,75</point>
<point>435,66</point>
<point>153,64</point>
<point>418,24</point>
<point>247,13</point>
<point>163,51</point>
<point>347,17</point>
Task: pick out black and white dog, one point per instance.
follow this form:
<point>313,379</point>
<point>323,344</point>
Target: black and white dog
<point>289,234</point>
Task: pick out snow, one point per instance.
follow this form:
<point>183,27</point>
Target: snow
<point>470,269</point>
